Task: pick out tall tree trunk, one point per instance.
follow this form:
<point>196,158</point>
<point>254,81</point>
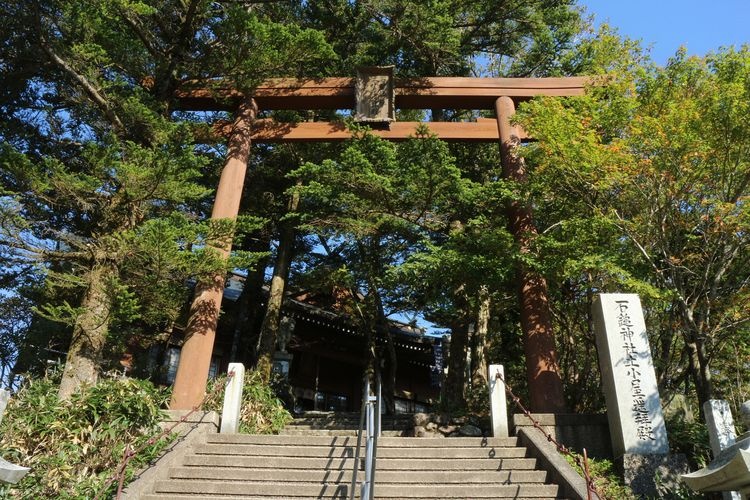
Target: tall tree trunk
<point>369,252</point>
<point>391,365</point>
<point>699,369</point>
<point>248,307</point>
<point>89,334</point>
<point>455,381</point>
<point>479,370</point>
<point>270,328</point>
<point>699,366</point>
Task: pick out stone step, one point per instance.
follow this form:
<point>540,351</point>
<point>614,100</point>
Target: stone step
<point>344,476</point>
<point>342,421</point>
<point>311,490</point>
<point>383,441</point>
<point>172,496</point>
<point>332,432</point>
<point>333,425</point>
<point>353,415</point>
<point>345,463</point>
<point>453,452</point>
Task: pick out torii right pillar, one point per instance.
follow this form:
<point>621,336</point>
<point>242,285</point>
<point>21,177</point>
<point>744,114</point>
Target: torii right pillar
<point>542,370</point>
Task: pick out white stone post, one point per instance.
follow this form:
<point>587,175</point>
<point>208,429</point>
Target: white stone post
<point>9,473</point>
<point>498,404</point>
<point>720,425</point>
<point>230,414</point>
<point>4,398</point>
<point>721,434</point>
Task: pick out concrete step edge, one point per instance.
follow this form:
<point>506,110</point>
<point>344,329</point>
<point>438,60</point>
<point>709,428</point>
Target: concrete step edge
<point>349,451</point>
<point>319,490</point>
<point>383,441</point>
<point>345,463</point>
<point>307,475</point>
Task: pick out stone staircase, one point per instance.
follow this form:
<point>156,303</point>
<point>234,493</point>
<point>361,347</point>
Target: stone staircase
<point>322,423</point>
<point>300,465</point>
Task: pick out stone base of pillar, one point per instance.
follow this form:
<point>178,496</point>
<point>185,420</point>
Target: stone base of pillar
<point>654,476</point>
<point>575,430</point>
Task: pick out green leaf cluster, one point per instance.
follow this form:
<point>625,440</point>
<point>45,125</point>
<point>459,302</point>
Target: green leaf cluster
<point>641,185</point>
<point>262,411</point>
<point>73,447</point>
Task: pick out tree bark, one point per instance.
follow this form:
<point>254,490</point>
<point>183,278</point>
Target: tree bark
<point>270,328</point>
<point>542,370</point>
<point>455,380</point>
<point>84,357</point>
<point>248,305</point>
<point>479,371</point>
<point>391,364</point>
<point>699,369</point>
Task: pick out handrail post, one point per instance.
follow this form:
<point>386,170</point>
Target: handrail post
<point>376,432</point>
<point>363,407</point>
<point>379,403</point>
<point>367,486</point>
<point>370,423</point>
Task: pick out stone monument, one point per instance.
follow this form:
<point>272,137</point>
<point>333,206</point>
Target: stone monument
<point>729,472</point>
<point>9,473</point>
<point>636,421</point>
<point>721,434</point>
<point>282,360</point>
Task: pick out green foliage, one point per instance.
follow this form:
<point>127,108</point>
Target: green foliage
<point>640,186</point>
<point>73,447</point>
<point>262,411</point>
<point>689,437</point>
<point>606,480</point>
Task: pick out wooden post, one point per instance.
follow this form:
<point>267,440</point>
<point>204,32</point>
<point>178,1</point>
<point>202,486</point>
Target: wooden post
<point>542,370</point>
<point>195,359</point>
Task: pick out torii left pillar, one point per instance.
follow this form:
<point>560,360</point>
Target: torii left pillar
<point>195,359</point>
<point>542,370</point>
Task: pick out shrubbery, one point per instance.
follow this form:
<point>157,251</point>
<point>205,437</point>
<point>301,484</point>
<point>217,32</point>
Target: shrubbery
<point>74,446</point>
<point>262,410</point>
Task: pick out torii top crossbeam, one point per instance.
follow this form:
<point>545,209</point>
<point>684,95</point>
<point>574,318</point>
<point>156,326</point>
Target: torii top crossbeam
<point>339,93</point>
<point>423,93</point>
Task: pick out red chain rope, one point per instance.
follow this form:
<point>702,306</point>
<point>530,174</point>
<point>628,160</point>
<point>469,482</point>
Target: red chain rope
<point>583,464</point>
<point>129,452</point>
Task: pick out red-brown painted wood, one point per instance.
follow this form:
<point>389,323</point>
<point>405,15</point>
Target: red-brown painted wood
<point>195,359</point>
<point>542,370</point>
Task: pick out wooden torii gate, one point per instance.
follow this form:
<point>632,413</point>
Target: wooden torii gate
<point>500,94</point>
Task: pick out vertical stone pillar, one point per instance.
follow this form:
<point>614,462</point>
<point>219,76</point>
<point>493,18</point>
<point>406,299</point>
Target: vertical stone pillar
<point>542,370</point>
<point>498,402</point>
<point>720,424</point>
<point>4,398</point>
<point>636,421</point>
<point>721,433</point>
<point>232,408</point>
<point>195,359</point>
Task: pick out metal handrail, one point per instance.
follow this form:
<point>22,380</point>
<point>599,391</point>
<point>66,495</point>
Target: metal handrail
<point>369,422</point>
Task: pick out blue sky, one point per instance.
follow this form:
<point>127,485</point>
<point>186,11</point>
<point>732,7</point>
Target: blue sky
<point>665,25</point>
